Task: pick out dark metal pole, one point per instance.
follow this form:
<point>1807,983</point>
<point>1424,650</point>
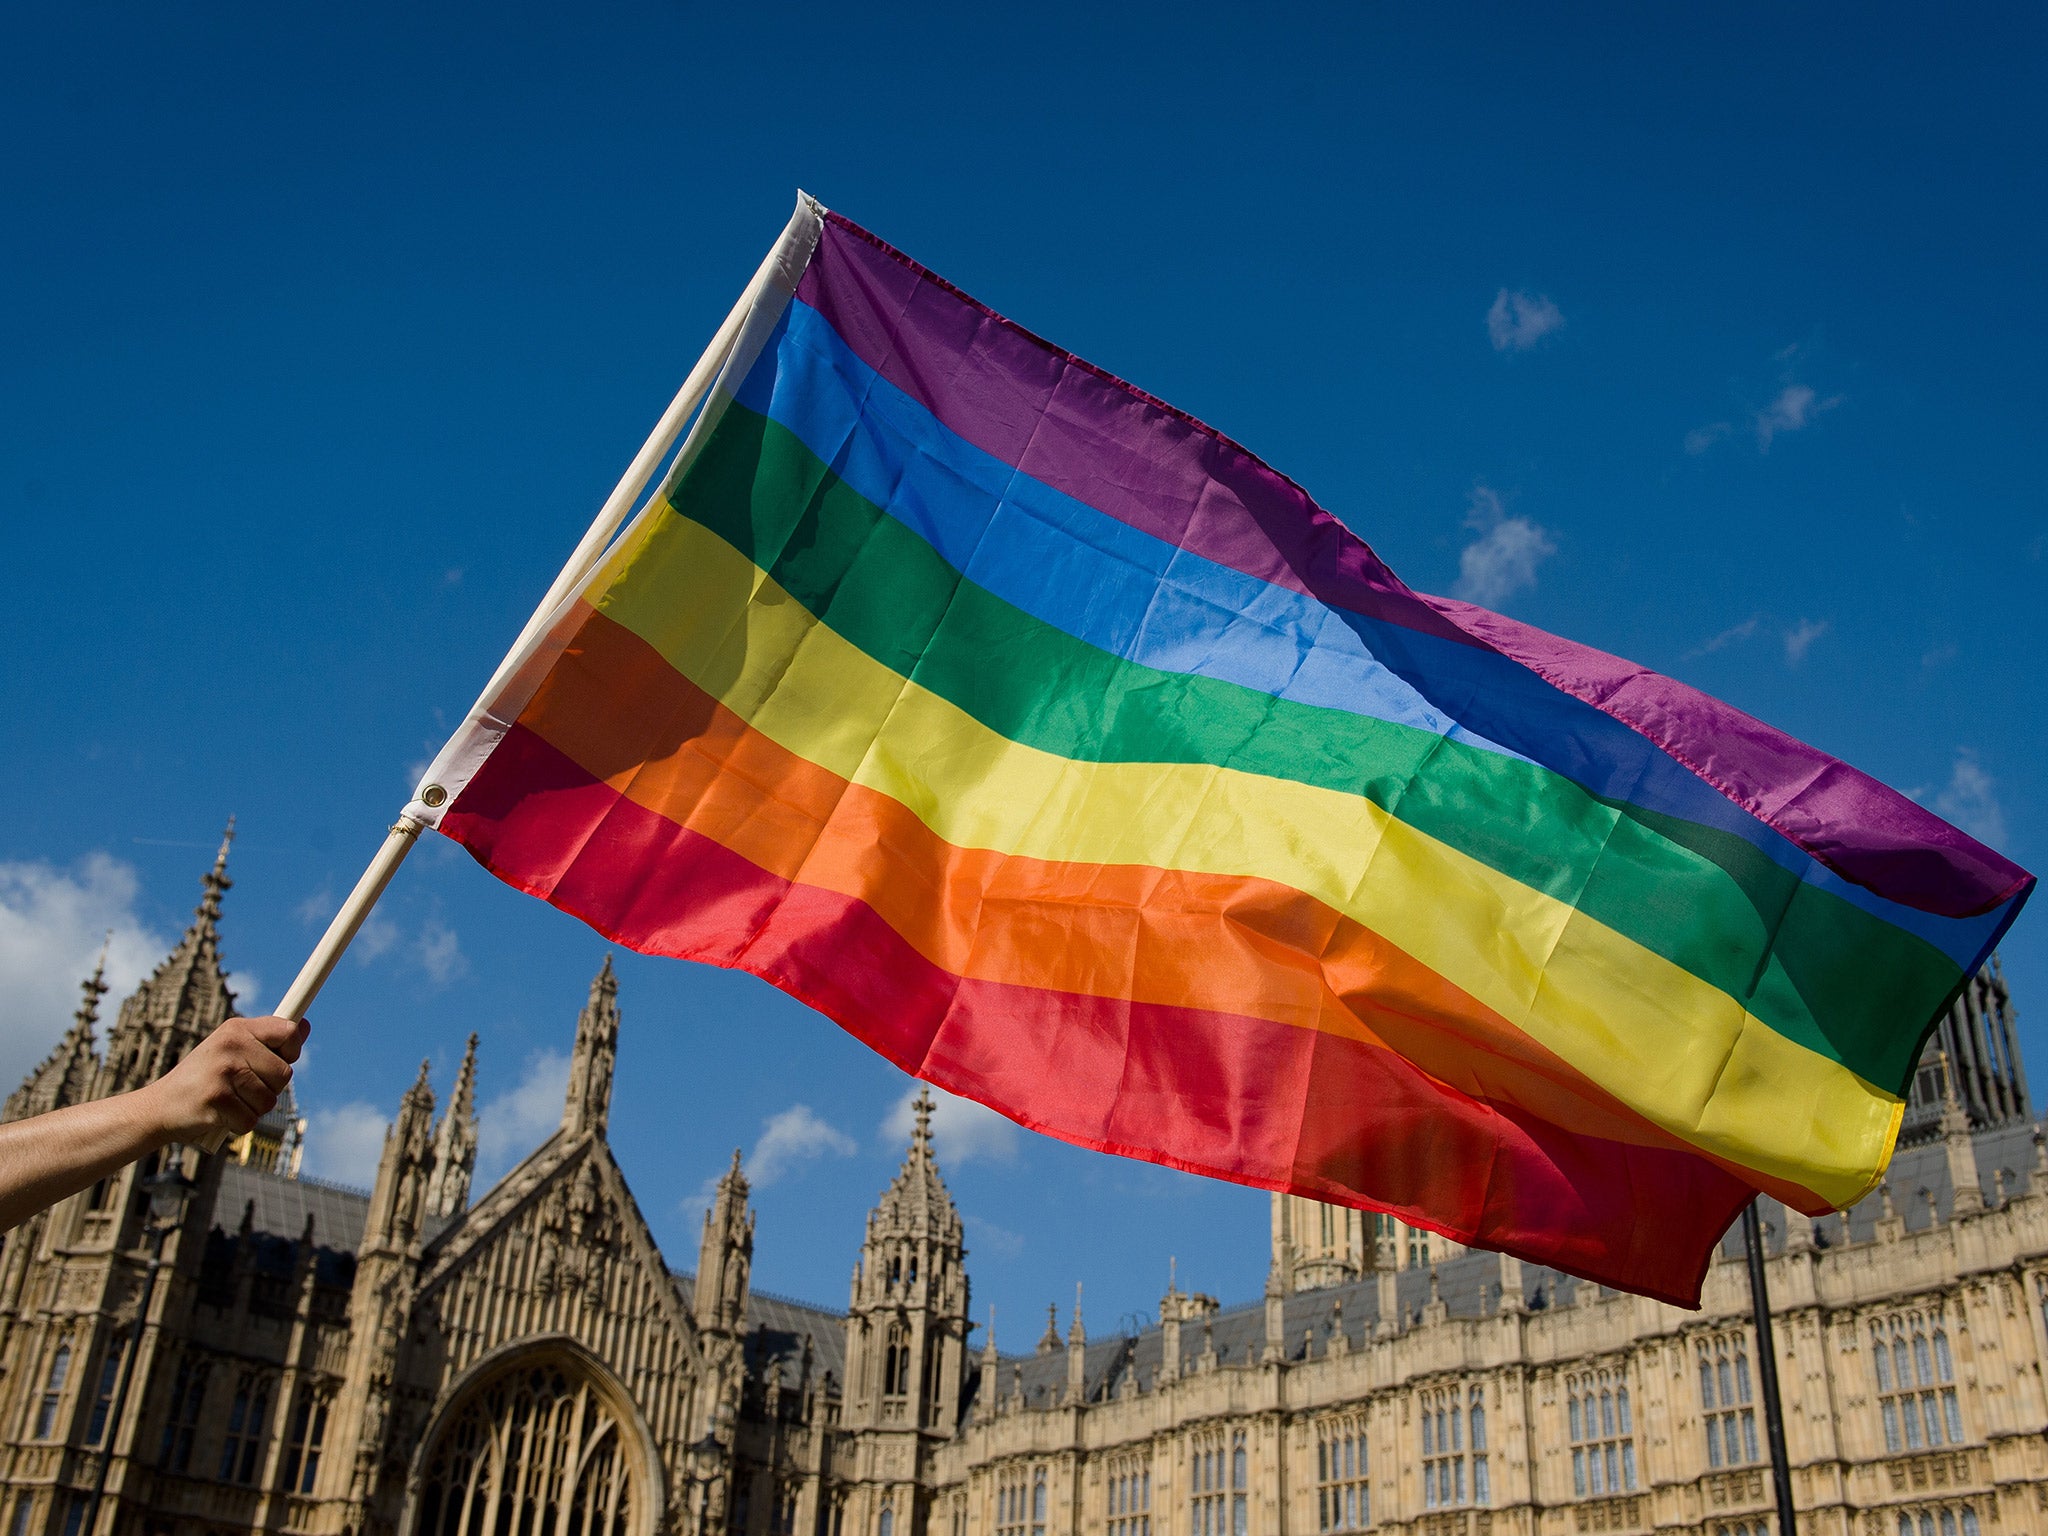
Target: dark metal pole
<point>1767,1370</point>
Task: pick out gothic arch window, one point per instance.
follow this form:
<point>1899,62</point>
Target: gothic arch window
<point>895,1370</point>
<point>53,1392</point>
<point>242,1446</point>
<point>886,1526</point>
<point>308,1435</point>
<point>535,1449</point>
<point>188,1394</point>
<point>1915,1382</point>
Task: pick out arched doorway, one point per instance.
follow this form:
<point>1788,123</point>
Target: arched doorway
<point>536,1448</point>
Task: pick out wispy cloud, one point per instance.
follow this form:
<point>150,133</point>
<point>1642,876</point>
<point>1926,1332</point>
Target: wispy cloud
<point>52,923</point>
<point>248,989</point>
<point>430,946</point>
<point>1800,637</point>
<point>1734,634</point>
<point>962,1130</point>
<point>1970,800</point>
<point>1793,410</point>
<point>438,952</point>
<point>520,1119</point>
<point>796,1135</point>
<point>1939,655</point>
<point>1503,559</point>
<point>1793,407</point>
<point>695,1207</point>
<point>344,1143</point>
<point>1700,439</point>
<point>1517,321</point>
<point>992,1239</point>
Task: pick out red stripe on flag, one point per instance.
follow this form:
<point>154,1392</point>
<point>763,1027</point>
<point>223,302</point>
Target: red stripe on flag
<point>1232,1097</point>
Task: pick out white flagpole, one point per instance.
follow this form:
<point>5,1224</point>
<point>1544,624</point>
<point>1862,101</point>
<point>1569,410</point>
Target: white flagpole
<point>398,842</point>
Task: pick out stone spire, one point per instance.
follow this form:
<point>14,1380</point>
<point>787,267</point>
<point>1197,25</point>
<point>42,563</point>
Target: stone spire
<point>1964,1179</point>
<point>455,1143</point>
<point>725,1257</point>
<point>1510,1284</point>
<point>183,1000</point>
<point>398,1200</point>
<point>1049,1341</point>
<point>1276,1312</point>
<point>590,1064</point>
<point>985,1394</point>
<point>1077,1353</point>
<point>907,1318</point>
<point>66,1074</point>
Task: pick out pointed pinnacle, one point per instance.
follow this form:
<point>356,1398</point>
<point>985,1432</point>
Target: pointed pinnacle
<point>463,1093</point>
<point>94,988</point>
<point>216,880</point>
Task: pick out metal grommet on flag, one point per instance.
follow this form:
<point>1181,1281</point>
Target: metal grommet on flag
<point>433,797</point>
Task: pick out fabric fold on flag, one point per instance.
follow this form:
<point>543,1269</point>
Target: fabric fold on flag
<point>1077,761</point>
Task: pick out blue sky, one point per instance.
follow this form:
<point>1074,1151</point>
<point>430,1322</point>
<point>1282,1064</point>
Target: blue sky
<point>1709,336</point>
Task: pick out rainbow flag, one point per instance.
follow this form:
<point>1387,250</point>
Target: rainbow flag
<point>1075,760</point>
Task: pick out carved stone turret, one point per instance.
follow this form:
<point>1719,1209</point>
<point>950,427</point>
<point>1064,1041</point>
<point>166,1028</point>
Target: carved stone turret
<point>67,1074</point>
<point>1077,1355</point>
<point>182,1002</point>
<point>1317,1245</point>
<point>455,1143</point>
<point>1963,1176</point>
<point>725,1257</point>
<point>590,1063</point>
<point>907,1322</point>
<point>1974,1056</point>
<point>1276,1314</point>
<point>398,1200</point>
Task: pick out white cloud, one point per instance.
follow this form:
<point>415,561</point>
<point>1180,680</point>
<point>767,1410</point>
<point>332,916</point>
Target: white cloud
<point>433,947</point>
<point>52,923</point>
<point>1734,634</point>
<point>1800,637</point>
<point>1503,559</point>
<point>1970,800</point>
<point>520,1119</point>
<point>962,1130</point>
<point>248,989</point>
<point>1517,320</point>
<point>992,1239</point>
<point>377,937</point>
<point>796,1135</point>
<point>1700,439</point>
<point>439,953</point>
<point>695,1207</point>
<point>1794,409</point>
<point>344,1143</point>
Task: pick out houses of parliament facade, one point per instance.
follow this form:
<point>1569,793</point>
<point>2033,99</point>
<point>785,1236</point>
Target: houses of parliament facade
<point>205,1345</point>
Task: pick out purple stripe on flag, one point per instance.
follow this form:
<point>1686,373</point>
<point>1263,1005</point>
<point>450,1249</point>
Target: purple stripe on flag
<point>1102,441</point>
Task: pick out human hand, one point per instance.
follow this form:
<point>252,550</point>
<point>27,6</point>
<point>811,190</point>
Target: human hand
<point>228,1082</point>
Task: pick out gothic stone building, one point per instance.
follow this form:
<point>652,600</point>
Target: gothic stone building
<point>215,1345</point>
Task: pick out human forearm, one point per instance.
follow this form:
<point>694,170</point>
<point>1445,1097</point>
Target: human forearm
<point>47,1157</point>
<point>229,1081</point>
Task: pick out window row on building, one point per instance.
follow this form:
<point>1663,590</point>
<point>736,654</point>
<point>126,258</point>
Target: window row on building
<point>1914,1375</point>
